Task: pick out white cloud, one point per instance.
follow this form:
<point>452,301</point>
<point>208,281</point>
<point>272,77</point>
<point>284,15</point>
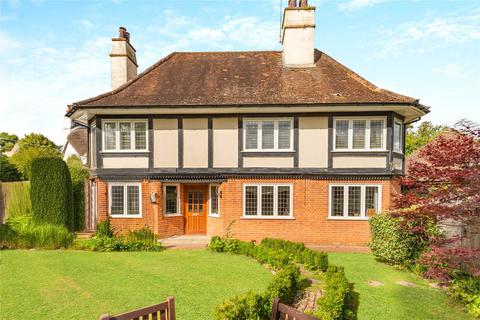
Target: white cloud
<point>354,5</point>
<point>430,33</point>
<point>453,70</point>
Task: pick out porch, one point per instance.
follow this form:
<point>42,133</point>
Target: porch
<point>186,241</point>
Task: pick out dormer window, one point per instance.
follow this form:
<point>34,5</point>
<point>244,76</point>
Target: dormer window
<point>125,135</point>
<point>268,135</point>
<point>359,134</point>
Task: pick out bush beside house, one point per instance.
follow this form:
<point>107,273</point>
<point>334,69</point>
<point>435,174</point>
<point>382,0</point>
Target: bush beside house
<point>79,174</point>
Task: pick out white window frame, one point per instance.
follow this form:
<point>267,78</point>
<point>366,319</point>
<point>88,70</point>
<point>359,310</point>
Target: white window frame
<point>275,201</point>
<point>132,135</point>
<point>178,213</point>
<point>259,121</point>
<point>125,199</point>
<point>367,134</point>
<point>363,214</point>
<point>397,121</point>
<point>216,215</point>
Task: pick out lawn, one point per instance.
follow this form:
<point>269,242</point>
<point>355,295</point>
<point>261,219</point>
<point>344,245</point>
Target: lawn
<point>390,300</point>
<point>83,285</point>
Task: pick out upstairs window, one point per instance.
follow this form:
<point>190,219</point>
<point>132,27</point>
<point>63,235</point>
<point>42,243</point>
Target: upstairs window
<point>359,134</point>
<point>354,201</point>
<point>397,136</point>
<point>125,135</point>
<point>125,199</point>
<point>268,135</point>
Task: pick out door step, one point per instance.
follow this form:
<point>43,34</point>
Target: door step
<point>186,241</point>
<point>85,234</point>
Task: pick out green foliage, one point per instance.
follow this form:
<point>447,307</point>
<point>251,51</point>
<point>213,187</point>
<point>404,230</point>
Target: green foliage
<point>467,291</point>
<point>18,201</point>
<point>249,306</point>
<point>417,138</point>
<point>51,192</point>
<point>285,284</point>
<point>8,171</point>
<point>394,244</point>
<point>20,232</point>
<point>7,141</point>
<point>79,174</point>
<point>314,260</point>
<point>333,304</point>
<point>104,229</point>
<point>33,146</point>
<point>216,244</point>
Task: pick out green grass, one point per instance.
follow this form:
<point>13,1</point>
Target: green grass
<point>82,285</point>
<point>393,301</point>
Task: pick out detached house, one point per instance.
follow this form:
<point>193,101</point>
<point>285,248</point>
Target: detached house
<point>288,144</point>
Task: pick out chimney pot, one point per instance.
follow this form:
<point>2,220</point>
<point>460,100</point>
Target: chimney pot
<point>292,3</point>
<point>303,3</point>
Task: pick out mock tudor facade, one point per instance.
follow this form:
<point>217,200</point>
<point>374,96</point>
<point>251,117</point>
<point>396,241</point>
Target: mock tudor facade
<point>287,144</point>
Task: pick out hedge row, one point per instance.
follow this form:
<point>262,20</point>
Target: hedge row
<point>333,304</point>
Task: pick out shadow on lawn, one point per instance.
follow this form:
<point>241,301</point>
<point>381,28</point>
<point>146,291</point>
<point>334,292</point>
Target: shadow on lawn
<point>352,303</point>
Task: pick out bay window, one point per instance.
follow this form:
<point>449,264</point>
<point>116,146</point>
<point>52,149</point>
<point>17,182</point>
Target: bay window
<point>359,134</point>
<point>268,135</point>
<point>354,201</point>
<point>397,136</point>
<point>125,199</point>
<point>267,200</point>
<point>125,135</point>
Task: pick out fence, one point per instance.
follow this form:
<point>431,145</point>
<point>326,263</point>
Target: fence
<point>6,190</point>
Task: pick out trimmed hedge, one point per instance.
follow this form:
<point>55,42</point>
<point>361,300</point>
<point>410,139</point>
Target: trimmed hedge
<point>51,192</point>
<point>78,174</point>
<point>333,304</point>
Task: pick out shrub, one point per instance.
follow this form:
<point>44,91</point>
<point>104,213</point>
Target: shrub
<point>79,174</point>
<point>51,192</point>
<point>467,291</point>
<point>314,260</point>
<point>216,244</point>
<point>285,284</point>
<point>18,201</point>
<point>9,172</point>
<point>333,304</point>
<point>105,240</point>
<point>104,229</point>
<point>249,306</point>
<point>392,243</point>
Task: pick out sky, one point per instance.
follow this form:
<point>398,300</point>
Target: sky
<point>53,53</point>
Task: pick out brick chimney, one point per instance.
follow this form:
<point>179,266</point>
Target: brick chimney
<point>123,59</point>
<point>298,34</point>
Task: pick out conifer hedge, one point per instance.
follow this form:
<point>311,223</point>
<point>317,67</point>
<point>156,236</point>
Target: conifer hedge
<point>51,192</point>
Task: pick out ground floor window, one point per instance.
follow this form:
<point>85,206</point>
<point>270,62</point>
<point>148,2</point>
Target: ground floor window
<point>214,200</point>
<point>267,200</point>
<point>125,199</point>
<point>171,199</point>
<point>354,201</point>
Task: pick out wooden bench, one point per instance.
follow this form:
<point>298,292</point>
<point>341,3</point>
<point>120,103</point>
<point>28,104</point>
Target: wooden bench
<point>281,311</point>
<point>161,311</point>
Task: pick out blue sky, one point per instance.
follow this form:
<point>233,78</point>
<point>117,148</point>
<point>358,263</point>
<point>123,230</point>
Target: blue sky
<point>53,53</point>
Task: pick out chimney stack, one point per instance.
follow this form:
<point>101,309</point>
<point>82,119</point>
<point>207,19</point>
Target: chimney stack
<point>298,34</point>
<point>123,59</point>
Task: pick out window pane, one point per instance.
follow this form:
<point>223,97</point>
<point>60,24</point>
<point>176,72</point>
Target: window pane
<point>251,200</point>
<point>267,200</point>
<point>200,202</point>
<point>371,201</point>
<point>140,135</point>
<point>284,131</point>
<point>125,136</point>
<point>283,200</point>
<point>133,200</point>
<point>397,136</point>
<point>337,201</point>
<point>341,134</point>
<point>359,132</point>
<point>376,134</point>
<point>268,135</point>
<point>117,200</point>
<point>171,200</point>
<point>354,200</point>
<point>251,135</point>
<point>214,199</point>
<point>110,142</point>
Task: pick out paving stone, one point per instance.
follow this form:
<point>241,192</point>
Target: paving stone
<point>375,283</point>
<point>407,284</point>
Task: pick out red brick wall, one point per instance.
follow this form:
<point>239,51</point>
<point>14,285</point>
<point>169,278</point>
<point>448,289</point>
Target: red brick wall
<point>310,210</point>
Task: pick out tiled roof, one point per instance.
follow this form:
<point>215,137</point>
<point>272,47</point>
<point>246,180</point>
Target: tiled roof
<point>244,78</point>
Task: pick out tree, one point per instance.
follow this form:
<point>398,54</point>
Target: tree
<point>417,138</point>
<point>8,171</point>
<point>79,174</point>
<point>7,141</point>
<point>30,147</point>
<point>443,184</point>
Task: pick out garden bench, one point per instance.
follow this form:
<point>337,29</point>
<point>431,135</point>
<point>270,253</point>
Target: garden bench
<point>281,311</point>
<point>161,311</point>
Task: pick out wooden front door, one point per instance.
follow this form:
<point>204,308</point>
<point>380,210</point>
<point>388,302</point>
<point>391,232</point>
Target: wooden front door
<point>195,203</point>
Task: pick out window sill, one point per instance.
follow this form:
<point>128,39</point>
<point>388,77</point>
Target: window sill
<point>269,151</point>
<point>267,218</point>
<point>360,150</point>
<point>172,215</point>
<point>130,216</point>
<point>214,215</point>
<point>349,218</point>
<point>124,151</point>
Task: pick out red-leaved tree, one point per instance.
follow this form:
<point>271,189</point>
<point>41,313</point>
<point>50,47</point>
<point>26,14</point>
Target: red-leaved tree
<point>443,185</point>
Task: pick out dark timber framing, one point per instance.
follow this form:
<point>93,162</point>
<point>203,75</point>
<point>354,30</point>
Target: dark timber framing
<point>180,142</point>
<point>150,142</point>
<point>295,141</point>
<point>210,142</point>
<point>240,142</point>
